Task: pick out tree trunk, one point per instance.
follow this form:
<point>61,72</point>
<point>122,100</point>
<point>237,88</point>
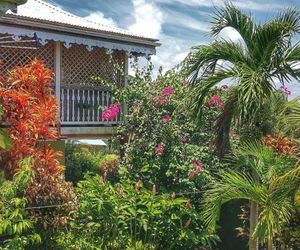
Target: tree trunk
<point>270,243</point>
<point>253,243</point>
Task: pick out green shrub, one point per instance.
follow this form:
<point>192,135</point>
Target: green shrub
<point>16,230</point>
<point>162,139</point>
<point>126,215</point>
<point>109,167</point>
<point>80,160</point>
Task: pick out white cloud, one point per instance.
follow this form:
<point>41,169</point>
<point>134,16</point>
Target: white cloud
<point>172,52</point>
<point>98,17</point>
<point>148,19</point>
<point>249,5</point>
<point>178,18</point>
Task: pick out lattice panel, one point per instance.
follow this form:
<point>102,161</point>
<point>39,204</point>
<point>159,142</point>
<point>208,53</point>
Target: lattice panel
<point>12,57</point>
<point>79,65</point>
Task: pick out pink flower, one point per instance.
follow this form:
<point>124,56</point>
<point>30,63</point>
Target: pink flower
<point>111,112</point>
<point>160,100</point>
<point>285,90</point>
<point>168,91</point>
<point>166,118</point>
<point>199,166</point>
<point>159,149</point>
<point>192,174</point>
<point>215,101</point>
<point>232,133</point>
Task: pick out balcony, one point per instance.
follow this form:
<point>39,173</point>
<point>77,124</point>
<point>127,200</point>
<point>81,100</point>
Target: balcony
<point>81,113</point>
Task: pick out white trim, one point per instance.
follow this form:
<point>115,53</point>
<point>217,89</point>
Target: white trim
<point>58,73</point>
<point>68,40</point>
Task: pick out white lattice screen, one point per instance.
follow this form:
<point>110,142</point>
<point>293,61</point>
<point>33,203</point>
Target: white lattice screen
<point>12,57</point>
<point>79,65</point>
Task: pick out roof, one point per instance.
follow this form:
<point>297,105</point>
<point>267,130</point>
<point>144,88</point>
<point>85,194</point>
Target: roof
<point>42,12</point>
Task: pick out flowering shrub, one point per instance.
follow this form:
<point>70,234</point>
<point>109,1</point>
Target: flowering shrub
<point>111,112</point>
<point>215,101</point>
<point>164,145</point>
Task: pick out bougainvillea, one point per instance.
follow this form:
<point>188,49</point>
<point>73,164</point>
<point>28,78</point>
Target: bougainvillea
<point>215,101</point>
<point>111,112</point>
<point>168,91</point>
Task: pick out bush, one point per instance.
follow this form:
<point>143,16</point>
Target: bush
<point>109,167</point>
<point>16,230</point>
<point>79,161</point>
<point>128,215</point>
<point>163,142</point>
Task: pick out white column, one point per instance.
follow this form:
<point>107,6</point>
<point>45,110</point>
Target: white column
<point>57,73</point>
<point>125,108</point>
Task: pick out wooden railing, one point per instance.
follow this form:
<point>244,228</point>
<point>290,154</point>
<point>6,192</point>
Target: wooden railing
<point>80,105</point>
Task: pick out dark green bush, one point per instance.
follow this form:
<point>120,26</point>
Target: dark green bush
<point>127,215</point>
<point>80,160</point>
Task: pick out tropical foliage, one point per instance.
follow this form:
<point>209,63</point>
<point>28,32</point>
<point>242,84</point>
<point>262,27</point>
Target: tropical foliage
<point>263,55</point>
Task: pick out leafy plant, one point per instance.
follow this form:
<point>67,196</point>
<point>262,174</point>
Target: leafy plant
<point>16,230</point>
<point>272,184</point>
<point>31,114</point>
<point>127,215</point>
<point>79,161</point>
<point>264,53</point>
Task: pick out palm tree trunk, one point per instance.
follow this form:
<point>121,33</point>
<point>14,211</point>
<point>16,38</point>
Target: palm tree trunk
<point>270,243</point>
<point>253,243</point>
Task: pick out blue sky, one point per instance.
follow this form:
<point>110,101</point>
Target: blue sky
<point>178,24</point>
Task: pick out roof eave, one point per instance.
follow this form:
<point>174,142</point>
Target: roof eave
<point>65,28</point>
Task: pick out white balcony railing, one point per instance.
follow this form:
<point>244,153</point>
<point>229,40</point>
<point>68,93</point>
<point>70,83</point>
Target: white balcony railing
<point>79,105</point>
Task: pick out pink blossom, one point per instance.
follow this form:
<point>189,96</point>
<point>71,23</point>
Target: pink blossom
<point>192,174</point>
<point>232,133</point>
<point>159,149</point>
<point>168,91</point>
<point>215,101</point>
<point>111,112</point>
<point>285,90</point>
<point>159,100</point>
<point>166,118</point>
<point>198,165</point>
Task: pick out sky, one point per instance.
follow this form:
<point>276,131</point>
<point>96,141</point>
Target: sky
<point>178,24</point>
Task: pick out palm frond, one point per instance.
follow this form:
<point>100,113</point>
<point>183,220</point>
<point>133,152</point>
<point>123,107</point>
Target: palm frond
<point>231,186</point>
<point>254,90</point>
<point>230,16</point>
<point>203,59</point>
<point>289,117</point>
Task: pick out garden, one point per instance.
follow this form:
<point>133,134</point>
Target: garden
<point>207,155</point>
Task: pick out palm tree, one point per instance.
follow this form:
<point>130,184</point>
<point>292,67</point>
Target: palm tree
<point>289,118</point>
<point>272,184</point>
<point>264,55</point>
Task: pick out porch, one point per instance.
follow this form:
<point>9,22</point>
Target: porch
<point>81,98</point>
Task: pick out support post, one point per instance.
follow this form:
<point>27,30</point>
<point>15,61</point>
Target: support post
<point>57,73</point>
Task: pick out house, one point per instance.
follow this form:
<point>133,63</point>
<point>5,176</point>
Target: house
<point>76,49</point>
